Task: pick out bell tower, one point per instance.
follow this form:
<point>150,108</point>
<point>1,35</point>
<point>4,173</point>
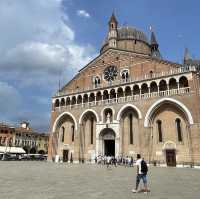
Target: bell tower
<point>112,34</point>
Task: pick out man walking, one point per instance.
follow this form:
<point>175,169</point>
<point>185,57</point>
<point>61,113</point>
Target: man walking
<point>142,170</point>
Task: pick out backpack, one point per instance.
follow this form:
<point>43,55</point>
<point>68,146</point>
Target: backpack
<point>144,167</point>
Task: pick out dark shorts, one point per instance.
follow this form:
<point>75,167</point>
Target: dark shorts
<point>143,177</point>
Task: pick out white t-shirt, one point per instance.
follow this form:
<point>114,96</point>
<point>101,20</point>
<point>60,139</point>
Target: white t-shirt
<point>138,163</point>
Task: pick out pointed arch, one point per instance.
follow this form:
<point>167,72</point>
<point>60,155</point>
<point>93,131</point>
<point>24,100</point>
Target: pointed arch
<point>88,110</point>
<point>60,116</point>
<point>171,100</point>
<point>126,106</point>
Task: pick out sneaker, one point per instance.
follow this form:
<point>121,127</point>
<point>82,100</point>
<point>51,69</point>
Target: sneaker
<point>134,191</point>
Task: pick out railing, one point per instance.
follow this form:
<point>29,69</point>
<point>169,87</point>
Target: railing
<point>131,80</point>
<point>120,100</point>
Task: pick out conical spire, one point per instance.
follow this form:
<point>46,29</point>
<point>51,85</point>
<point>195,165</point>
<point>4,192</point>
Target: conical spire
<point>154,47</point>
<point>153,39</point>
<point>113,18</point>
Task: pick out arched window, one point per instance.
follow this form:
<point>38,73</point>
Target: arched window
<point>178,129</point>
<point>151,74</point>
<point>63,134</point>
<point>57,103</point>
<point>162,85</point>
<point>97,82</point>
<point>159,127</point>
<point>131,128</point>
<point>72,133</point>
<point>183,82</point>
<point>92,129</point>
<point>125,75</point>
<point>62,102</point>
<point>128,91</point>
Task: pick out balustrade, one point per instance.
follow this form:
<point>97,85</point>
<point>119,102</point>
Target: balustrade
<point>131,80</point>
<point>120,100</point>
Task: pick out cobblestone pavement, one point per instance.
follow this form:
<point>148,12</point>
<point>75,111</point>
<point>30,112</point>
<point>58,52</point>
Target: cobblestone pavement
<point>42,180</point>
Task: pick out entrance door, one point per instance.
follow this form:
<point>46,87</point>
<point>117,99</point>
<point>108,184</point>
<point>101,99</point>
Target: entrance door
<point>65,155</point>
<point>109,147</point>
<point>171,158</point>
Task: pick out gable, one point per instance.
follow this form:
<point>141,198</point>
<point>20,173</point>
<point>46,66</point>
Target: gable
<point>136,64</point>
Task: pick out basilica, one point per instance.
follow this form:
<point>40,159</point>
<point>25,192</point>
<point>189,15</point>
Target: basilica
<point>129,100</point>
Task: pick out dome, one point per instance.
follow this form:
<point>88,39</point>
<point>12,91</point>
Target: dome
<point>128,38</point>
<point>132,33</point>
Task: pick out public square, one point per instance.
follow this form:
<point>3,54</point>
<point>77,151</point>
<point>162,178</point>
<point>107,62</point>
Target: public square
<point>43,180</point>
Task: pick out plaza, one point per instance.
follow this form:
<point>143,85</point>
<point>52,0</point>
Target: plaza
<point>45,180</point>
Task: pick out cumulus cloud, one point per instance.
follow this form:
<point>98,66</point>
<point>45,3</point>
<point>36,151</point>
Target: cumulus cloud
<point>37,47</point>
<point>83,13</point>
<point>38,41</point>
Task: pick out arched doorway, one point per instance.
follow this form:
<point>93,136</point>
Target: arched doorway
<point>107,141</point>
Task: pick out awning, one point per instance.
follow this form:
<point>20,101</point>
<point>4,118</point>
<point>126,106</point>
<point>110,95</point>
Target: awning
<point>4,149</point>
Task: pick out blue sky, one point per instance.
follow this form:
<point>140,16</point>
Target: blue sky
<point>42,38</point>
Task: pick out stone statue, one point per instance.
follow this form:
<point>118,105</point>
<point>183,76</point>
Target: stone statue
<point>108,118</point>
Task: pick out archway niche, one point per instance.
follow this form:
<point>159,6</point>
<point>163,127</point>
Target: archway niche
<point>105,95</point>
<point>68,101</point>
<point>73,100</point>
<point>87,134</point>
<point>120,92</point>
<point>183,82</point>
<point>136,90</point>
<point>112,94</point>
<point>144,88</point>
<point>57,103</point>
<point>99,96</point>
<point>62,102</point>
<point>173,84</point>
<point>162,85</point>
<point>129,123</point>
<point>107,115</point>
<point>79,99</point>
<point>166,114</point>
<point>64,129</point>
<point>92,97</point>
<point>85,98</point>
<point>153,87</point>
<point>128,91</point>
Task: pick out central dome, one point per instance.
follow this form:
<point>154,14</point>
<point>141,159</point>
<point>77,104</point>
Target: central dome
<point>132,33</point>
<point>130,39</point>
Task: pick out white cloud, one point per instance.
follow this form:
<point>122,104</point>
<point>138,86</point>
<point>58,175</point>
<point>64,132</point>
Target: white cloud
<point>83,13</point>
<point>37,44</point>
<point>42,46</point>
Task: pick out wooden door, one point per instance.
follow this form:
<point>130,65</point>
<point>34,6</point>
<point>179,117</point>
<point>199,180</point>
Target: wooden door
<point>65,155</point>
<point>171,158</point>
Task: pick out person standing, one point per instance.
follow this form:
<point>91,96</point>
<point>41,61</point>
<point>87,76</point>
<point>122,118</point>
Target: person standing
<point>142,170</point>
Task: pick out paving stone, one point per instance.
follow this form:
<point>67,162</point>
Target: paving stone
<point>44,180</point>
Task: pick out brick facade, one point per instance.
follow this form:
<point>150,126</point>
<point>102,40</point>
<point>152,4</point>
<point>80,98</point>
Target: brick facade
<point>154,110</point>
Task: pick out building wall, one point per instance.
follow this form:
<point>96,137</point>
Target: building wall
<point>165,106</point>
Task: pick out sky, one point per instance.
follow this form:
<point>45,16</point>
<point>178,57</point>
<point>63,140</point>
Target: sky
<point>42,41</point>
